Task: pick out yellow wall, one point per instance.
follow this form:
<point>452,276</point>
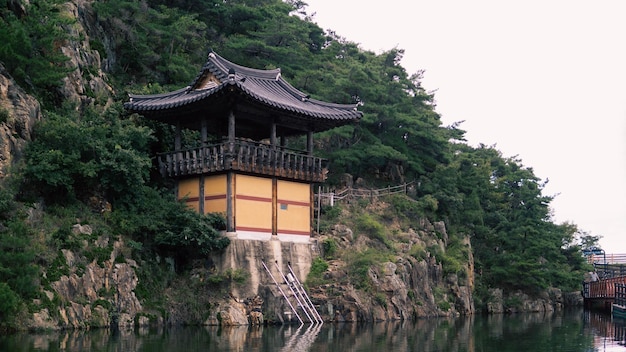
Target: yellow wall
<point>215,194</point>
<point>253,203</point>
<point>188,188</point>
<point>293,207</point>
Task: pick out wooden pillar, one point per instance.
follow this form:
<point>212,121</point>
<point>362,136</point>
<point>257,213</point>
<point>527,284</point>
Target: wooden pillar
<point>203,131</point>
<point>177,137</point>
<point>178,157</point>
<point>274,208</point>
<point>309,142</point>
<point>231,128</point>
<point>230,176</point>
<point>201,194</point>
<point>203,153</point>
<point>230,206</point>
<point>273,135</point>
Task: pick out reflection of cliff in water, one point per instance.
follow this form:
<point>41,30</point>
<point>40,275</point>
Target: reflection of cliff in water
<point>575,330</point>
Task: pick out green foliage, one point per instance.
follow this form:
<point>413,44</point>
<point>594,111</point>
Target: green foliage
<point>159,221</point>
<point>152,280</point>
<point>332,213</point>
<point>237,276</point>
<point>373,229</point>
<point>513,302</point>
<point>455,257</point>
<point>17,258</point>
<point>316,274</point>
<point>99,254</point>
<point>57,268</point>
<point>63,238</point>
<point>5,116</point>
<point>103,303</point>
<point>30,47</point>
<point>440,299</point>
<point>500,203</point>
<point>329,248</point>
<point>418,252</point>
<point>360,263</point>
<point>405,206</point>
<point>157,45</point>
<point>9,301</point>
<point>381,299</point>
<point>78,156</point>
<point>153,43</point>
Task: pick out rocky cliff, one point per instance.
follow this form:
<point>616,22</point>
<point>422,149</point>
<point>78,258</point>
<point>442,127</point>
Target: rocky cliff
<point>234,287</point>
<point>18,113</point>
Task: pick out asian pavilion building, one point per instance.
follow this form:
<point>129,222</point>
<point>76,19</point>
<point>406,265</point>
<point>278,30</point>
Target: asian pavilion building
<point>241,167</point>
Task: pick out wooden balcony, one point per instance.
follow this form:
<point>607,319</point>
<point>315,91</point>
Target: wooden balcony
<point>243,156</point>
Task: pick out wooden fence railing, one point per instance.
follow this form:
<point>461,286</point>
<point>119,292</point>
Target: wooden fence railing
<point>609,258</point>
<point>603,288</point>
<point>350,193</point>
<point>620,294</point>
<point>244,156</point>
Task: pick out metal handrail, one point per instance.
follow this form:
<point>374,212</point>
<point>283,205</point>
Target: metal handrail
<point>304,295</point>
<point>283,293</point>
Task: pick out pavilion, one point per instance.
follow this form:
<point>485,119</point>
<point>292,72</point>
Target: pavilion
<point>240,165</point>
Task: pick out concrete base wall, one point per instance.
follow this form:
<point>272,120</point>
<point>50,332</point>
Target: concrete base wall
<point>249,255</point>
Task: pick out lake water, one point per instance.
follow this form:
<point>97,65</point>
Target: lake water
<point>573,330</point>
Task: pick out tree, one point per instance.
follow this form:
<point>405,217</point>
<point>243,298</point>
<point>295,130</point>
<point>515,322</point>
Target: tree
<point>74,157</point>
<point>30,47</point>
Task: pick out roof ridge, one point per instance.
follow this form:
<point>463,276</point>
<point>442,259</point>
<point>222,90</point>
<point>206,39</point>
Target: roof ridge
<point>158,95</point>
<point>225,66</point>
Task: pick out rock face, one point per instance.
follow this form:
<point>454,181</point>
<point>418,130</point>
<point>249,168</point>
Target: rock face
<point>260,292</point>
<point>404,289</point>
<point>100,295</point>
<point>18,114</point>
<point>84,86</point>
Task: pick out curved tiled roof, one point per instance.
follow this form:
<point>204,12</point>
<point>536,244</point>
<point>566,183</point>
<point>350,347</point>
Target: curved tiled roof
<point>262,87</point>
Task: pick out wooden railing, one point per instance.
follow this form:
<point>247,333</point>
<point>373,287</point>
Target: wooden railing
<point>244,156</point>
<point>603,288</point>
<point>347,194</point>
<point>620,294</point>
<point>608,258</point>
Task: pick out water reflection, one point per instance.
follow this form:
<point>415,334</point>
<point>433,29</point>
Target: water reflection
<point>575,330</point>
<point>609,333</point>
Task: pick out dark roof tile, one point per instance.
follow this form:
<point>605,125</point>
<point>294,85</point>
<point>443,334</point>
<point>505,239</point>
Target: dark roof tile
<point>263,86</point>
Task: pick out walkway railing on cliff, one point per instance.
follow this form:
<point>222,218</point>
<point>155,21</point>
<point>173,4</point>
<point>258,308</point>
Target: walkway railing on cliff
<point>350,193</point>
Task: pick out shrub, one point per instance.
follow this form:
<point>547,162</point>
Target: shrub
<point>71,156</point>
<point>367,224</point>
<point>169,226</point>
<point>332,213</point>
<point>329,247</point>
<point>316,274</point>
<point>9,302</point>
<point>4,115</point>
<point>406,206</point>
<point>16,259</point>
<point>381,299</point>
<point>359,264</point>
<point>418,252</point>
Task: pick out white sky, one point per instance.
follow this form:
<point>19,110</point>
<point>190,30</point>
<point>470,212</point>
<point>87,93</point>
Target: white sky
<point>544,80</point>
